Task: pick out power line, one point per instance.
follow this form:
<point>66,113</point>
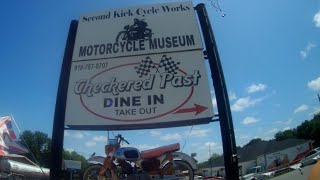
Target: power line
<point>187,138</point>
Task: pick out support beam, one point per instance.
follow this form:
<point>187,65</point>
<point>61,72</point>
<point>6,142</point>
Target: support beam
<point>59,115</point>
<point>226,124</point>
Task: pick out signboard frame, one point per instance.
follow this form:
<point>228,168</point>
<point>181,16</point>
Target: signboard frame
<point>225,118</point>
<point>92,102</point>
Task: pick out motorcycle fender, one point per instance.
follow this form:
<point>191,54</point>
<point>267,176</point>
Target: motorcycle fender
<point>185,157</point>
<point>96,160</point>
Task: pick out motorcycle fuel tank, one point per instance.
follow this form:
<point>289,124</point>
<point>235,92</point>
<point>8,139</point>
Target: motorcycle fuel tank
<point>127,153</point>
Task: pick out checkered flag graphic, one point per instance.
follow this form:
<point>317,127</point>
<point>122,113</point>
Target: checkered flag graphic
<point>169,65</point>
<point>143,69</point>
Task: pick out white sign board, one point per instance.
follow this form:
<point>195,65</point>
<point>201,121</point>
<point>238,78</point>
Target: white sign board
<point>136,31</point>
<point>143,88</point>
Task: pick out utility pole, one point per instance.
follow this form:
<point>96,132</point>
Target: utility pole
<point>210,159</point>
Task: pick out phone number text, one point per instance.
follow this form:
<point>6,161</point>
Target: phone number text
<point>81,67</point>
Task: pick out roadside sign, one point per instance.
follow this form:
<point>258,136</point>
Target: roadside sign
<point>163,89</point>
<point>148,74</point>
<point>139,67</point>
<point>138,30</point>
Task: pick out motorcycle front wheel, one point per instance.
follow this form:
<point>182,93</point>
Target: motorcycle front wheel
<point>181,170</point>
<point>122,36</point>
<point>92,172</point>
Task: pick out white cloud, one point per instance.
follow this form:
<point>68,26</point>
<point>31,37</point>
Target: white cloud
<point>66,133</point>
<point>146,147</point>
<point>274,130</point>
<point>155,133</point>
<point>195,144</point>
<point>213,146</point>
<point>171,137</point>
<point>90,143</point>
<point>199,132</point>
<point>288,122</point>
<point>286,128</point>
<point>76,135</point>
<point>100,138</point>
<point>249,120</point>
<point>69,149</point>
<point>315,111</point>
<point>306,51</point>
<point>316,19</point>
<point>314,84</point>
<point>242,137</point>
<point>256,88</point>
<point>232,96</point>
<point>301,108</point>
<point>243,103</point>
<point>267,138</point>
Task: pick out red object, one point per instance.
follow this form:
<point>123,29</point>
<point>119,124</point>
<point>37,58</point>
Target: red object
<point>197,108</point>
<point>160,151</point>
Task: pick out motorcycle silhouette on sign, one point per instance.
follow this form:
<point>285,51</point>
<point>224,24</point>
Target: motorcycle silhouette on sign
<point>128,163</point>
<point>136,31</point>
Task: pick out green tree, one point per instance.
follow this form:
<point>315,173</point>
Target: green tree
<point>303,130</point>
<point>287,134</point>
<point>309,129</point>
<point>39,145</point>
<point>210,162</point>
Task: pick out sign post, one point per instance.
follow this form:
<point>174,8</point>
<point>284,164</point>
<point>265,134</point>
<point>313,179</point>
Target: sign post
<point>225,118</point>
<point>59,116</point>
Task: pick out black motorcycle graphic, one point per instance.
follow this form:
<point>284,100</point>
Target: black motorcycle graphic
<point>136,31</point>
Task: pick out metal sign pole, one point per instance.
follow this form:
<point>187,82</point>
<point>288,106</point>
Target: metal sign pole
<point>226,125</point>
<point>59,115</point>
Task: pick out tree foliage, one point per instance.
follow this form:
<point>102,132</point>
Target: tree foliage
<point>214,157</point>
<point>39,145</point>
<point>287,134</point>
<point>309,129</point>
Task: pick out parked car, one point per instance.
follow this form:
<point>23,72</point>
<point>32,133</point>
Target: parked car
<point>257,172</point>
<point>311,157</point>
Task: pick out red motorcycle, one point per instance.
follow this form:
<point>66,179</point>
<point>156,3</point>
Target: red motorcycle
<point>129,163</point>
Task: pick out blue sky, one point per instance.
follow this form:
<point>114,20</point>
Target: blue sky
<point>270,53</point>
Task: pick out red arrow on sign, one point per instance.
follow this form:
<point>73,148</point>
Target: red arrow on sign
<point>197,108</point>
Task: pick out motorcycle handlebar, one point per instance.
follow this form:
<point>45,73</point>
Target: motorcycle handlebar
<point>126,141</point>
<point>122,139</point>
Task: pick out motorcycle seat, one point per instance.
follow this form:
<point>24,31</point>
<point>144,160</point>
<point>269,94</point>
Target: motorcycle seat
<point>160,151</point>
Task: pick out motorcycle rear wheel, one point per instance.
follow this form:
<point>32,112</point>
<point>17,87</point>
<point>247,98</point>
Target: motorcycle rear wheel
<point>92,172</point>
<point>182,170</point>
